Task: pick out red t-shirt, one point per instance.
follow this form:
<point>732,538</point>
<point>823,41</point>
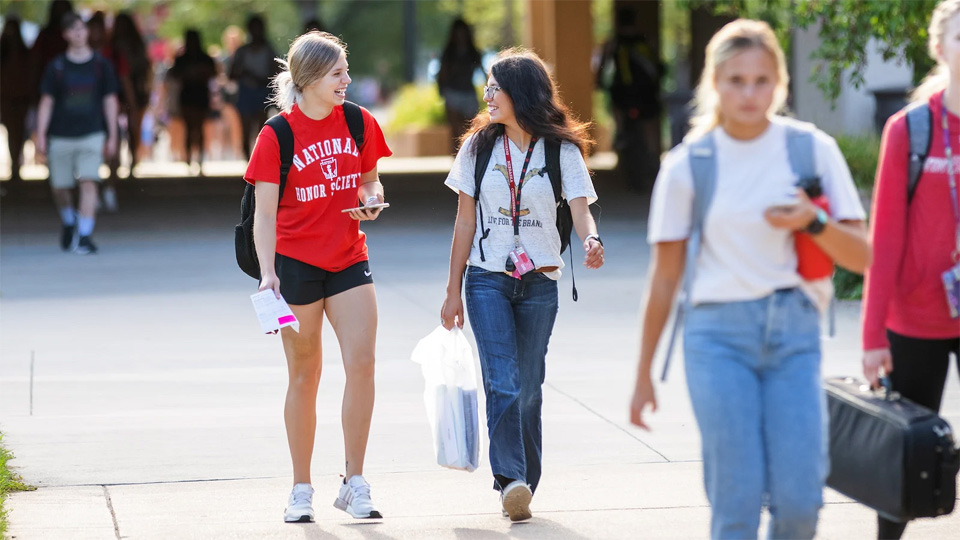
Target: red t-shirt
<point>912,246</point>
<point>323,180</point>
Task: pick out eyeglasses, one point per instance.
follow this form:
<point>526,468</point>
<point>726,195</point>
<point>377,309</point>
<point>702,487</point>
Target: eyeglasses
<point>490,91</point>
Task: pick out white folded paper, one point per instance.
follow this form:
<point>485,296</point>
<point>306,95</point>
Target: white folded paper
<point>273,312</point>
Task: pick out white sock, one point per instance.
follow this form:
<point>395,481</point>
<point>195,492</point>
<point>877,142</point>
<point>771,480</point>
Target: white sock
<point>85,225</point>
<point>68,216</point>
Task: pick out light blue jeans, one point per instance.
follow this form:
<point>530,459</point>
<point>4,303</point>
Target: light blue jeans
<point>753,371</point>
<point>512,320</point>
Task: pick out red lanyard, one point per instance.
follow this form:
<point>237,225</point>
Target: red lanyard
<point>515,189</point>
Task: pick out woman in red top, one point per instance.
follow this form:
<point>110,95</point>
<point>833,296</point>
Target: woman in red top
<point>908,329</point>
<point>316,257</point>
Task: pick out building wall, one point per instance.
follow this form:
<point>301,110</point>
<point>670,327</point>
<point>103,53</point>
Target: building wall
<point>853,113</point>
<point>561,32</point>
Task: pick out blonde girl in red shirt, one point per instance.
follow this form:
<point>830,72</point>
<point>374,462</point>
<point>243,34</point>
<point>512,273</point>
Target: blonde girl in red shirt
<point>908,329</point>
<point>315,256</point>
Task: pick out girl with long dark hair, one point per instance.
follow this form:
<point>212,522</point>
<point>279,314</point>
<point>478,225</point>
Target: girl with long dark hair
<point>511,261</point>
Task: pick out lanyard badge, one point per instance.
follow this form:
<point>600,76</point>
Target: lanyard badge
<point>951,278</point>
<point>518,262</point>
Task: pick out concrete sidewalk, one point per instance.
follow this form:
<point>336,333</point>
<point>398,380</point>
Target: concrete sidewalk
<point>157,406</point>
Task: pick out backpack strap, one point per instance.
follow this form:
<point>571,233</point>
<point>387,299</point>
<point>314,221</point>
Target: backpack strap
<point>703,167</point>
<point>354,117</point>
<point>552,153</point>
<point>281,128</point>
<point>919,126</point>
<point>800,152</point>
<point>483,159</point>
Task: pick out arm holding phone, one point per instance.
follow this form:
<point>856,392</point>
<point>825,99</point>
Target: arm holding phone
<point>370,193</point>
<point>844,241</point>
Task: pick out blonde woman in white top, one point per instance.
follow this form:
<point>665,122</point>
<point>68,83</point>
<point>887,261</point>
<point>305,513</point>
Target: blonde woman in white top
<point>751,338</point>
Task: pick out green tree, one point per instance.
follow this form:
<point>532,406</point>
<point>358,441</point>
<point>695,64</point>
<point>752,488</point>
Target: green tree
<point>211,17</point>
<point>846,28</point>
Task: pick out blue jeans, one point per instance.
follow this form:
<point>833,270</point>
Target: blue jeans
<point>753,371</point>
<point>512,320</point>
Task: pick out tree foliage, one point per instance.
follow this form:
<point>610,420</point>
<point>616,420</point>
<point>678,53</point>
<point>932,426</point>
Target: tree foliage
<point>846,29</point>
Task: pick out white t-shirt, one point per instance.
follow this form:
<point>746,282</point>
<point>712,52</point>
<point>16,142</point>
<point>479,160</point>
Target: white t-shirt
<point>538,209</point>
<point>742,256</point>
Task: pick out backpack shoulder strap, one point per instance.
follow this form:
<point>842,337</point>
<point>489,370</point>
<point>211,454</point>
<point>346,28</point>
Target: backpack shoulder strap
<point>703,168</point>
<point>552,150</point>
<point>919,127</point>
<point>278,123</point>
<point>354,118</point>
<point>552,153</point>
<point>800,151</point>
<point>483,159</point>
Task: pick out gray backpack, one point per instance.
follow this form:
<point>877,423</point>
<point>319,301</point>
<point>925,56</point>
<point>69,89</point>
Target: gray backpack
<point>703,166</point>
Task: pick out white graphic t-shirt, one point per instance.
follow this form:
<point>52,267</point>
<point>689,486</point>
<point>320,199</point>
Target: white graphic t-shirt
<point>538,209</point>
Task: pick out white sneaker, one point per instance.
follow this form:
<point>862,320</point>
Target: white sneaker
<point>355,500</point>
<point>515,499</point>
<point>300,507</point>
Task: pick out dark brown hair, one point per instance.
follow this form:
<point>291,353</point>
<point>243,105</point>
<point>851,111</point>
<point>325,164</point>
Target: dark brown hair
<point>538,109</point>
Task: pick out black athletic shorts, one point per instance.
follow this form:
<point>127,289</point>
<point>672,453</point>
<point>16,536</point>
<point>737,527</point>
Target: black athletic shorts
<point>302,283</point>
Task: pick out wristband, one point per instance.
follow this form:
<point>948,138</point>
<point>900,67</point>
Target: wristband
<point>595,237</point>
<point>819,223</point>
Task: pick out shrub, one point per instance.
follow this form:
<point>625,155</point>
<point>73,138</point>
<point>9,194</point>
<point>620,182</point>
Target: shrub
<point>861,153</point>
<point>847,285</point>
<point>416,106</point>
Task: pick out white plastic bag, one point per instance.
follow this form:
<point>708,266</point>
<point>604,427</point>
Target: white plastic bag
<point>450,395</point>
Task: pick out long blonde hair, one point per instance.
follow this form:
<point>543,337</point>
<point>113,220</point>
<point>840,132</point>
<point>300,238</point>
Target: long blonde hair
<point>311,56</point>
<point>735,37</point>
<point>938,77</point>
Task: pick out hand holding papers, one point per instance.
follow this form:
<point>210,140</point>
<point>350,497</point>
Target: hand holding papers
<point>273,312</point>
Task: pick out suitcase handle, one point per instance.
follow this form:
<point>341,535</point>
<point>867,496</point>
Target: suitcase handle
<point>887,385</point>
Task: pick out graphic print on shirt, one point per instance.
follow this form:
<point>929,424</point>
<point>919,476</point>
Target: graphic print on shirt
<point>938,165</point>
<point>329,167</point>
<point>508,219</point>
<point>323,155</point>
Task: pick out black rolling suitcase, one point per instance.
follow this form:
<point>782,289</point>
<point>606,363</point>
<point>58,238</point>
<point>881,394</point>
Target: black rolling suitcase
<point>889,453</point>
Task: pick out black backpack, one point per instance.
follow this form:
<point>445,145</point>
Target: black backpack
<point>243,234</point>
<point>564,217</point>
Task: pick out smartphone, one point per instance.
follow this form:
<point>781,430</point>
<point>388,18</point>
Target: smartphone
<point>786,203</point>
<point>368,207</point>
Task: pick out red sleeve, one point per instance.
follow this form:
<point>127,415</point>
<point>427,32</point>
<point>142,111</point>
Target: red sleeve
<point>374,145</point>
<point>888,231</point>
<point>264,163</point>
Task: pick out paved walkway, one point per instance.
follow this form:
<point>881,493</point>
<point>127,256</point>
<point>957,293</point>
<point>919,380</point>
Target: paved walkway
<point>156,405</point>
